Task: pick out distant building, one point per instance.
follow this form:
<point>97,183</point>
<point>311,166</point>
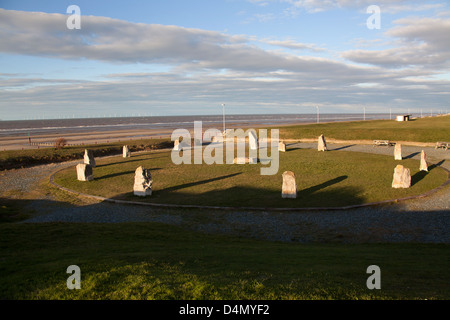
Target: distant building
<point>403,118</point>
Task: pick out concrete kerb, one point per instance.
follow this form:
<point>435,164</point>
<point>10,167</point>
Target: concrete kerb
<point>164,205</point>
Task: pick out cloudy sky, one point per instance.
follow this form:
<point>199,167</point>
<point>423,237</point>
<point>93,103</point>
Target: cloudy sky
<point>187,57</point>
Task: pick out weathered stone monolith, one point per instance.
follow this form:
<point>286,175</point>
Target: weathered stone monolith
<point>84,172</point>
<point>402,177</point>
<point>321,144</point>
<point>281,146</point>
<point>89,158</point>
<point>126,152</point>
<point>423,161</point>
<point>289,189</point>
<point>398,152</point>
<point>244,160</point>
<point>253,140</point>
<point>176,145</point>
<point>142,182</point>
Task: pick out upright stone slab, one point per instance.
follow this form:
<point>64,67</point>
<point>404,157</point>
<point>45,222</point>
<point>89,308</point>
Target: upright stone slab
<point>84,172</point>
<point>398,152</point>
<point>321,144</point>
<point>89,158</point>
<point>176,145</point>
<point>402,177</point>
<point>289,189</point>
<point>142,182</point>
<point>423,161</point>
<point>244,160</point>
<point>253,140</point>
<point>126,152</point>
<point>281,146</point>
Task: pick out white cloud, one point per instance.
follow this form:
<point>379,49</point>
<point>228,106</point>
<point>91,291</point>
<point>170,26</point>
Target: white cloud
<point>422,42</point>
<point>387,6</point>
<point>294,45</point>
<point>118,41</point>
<point>206,68</point>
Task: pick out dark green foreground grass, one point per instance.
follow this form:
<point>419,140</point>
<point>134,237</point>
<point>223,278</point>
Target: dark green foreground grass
<point>155,261</point>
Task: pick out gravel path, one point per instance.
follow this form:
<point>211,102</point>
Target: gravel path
<point>424,220</point>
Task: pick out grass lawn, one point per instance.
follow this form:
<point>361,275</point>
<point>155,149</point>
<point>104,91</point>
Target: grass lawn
<point>324,179</point>
<point>155,261</point>
<point>418,130</point>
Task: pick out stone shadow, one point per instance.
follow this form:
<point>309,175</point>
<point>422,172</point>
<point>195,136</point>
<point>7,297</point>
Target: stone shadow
<point>125,161</point>
<point>434,165</point>
<point>323,185</point>
<point>112,175</point>
<point>292,149</point>
<point>418,176</point>
<point>191,184</point>
<point>238,197</point>
<point>412,155</point>
<point>344,147</point>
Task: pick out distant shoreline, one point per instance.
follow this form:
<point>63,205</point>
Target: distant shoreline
<point>20,140</point>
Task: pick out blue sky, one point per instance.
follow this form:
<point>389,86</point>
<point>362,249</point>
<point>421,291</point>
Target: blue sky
<point>189,57</point>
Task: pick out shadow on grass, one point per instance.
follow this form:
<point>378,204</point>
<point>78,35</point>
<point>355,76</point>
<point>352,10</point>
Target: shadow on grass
<point>440,163</point>
<point>191,184</point>
<point>112,175</point>
<point>422,174</point>
<point>412,155</point>
<point>343,147</point>
<point>322,185</point>
<point>126,161</point>
<point>253,197</point>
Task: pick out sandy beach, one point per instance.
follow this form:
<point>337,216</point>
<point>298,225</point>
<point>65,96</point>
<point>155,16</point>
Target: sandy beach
<point>21,141</point>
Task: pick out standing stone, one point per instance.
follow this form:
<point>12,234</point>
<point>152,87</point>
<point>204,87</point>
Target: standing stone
<point>322,145</point>
<point>126,152</point>
<point>289,189</point>
<point>253,140</point>
<point>176,145</point>
<point>84,172</point>
<point>244,160</point>
<point>402,177</point>
<point>423,162</point>
<point>142,182</point>
<point>89,158</point>
<point>398,152</point>
<point>281,146</point>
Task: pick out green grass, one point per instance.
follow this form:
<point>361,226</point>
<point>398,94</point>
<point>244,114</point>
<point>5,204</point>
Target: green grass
<point>324,179</point>
<point>10,159</point>
<point>155,261</point>
<point>11,211</point>
<point>419,130</point>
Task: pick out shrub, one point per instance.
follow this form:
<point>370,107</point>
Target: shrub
<point>60,143</point>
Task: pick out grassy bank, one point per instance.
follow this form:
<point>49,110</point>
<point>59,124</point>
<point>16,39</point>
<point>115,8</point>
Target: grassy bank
<point>13,159</point>
<point>418,130</point>
<point>154,261</point>
<point>324,179</point>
